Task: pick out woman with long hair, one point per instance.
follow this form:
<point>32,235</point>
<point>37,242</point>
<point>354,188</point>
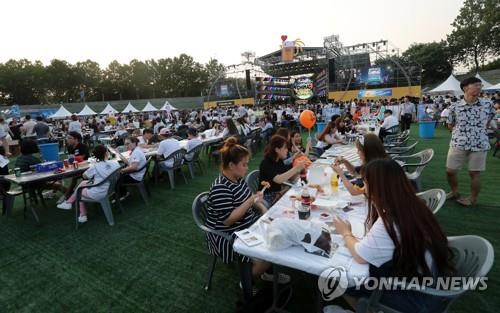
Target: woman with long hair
<point>296,144</point>
<point>230,129</point>
<point>403,239</point>
<point>369,148</point>
<point>273,169</point>
<point>329,136</point>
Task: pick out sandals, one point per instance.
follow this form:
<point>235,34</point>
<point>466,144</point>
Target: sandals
<point>452,196</point>
<point>466,202</point>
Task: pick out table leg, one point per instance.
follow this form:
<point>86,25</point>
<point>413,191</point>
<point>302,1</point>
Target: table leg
<point>246,279</point>
<point>276,293</point>
<point>31,204</point>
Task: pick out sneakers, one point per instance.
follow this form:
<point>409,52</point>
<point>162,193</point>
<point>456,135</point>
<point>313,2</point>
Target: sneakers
<point>82,219</point>
<point>65,206</point>
<point>61,199</point>
<point>283,279</point>
<point>48,194</point>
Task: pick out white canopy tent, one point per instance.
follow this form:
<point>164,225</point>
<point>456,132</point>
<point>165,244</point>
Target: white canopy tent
<point>492,88</point>
<point>168,107</point>
<point>86,111</point>
<point>450,86</point>
<point>130,108</point>
<point>61,113</point>
<point>149,108</point>
<point>485,83</point>
<point>109,110</point>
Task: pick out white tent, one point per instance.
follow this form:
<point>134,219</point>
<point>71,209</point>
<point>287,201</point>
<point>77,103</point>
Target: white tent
<point>130,108</point>
<point>86,111</point>
<point>450,86</point>
<point>149,108</point>
<point>109,110</point>
<point>168,107</point>
<point>485,83</point>
<point>61,113</point>
<point>492,88</point>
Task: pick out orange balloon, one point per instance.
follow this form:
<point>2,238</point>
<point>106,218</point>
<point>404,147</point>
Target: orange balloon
<point>303,158</point>
<point>307,119</point>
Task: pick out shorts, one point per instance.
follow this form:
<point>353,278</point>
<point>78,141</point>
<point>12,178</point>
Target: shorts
<point>457,158</point>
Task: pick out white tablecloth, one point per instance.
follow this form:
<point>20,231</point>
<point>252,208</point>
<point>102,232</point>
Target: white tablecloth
<point>295,256</point>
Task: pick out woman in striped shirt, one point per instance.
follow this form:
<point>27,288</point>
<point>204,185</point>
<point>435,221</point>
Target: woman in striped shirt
<point>231,204</point>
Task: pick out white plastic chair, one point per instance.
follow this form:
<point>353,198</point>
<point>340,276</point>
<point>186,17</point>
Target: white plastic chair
<point>434,199</point>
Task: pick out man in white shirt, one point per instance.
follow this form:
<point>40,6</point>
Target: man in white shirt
<point>28,126</point>
<point>193,141</point>
<point>75,125</point>
<point>166,147</point>
<point>408,113</point>
<point>144,140</point>
<point>389,122</point>
<point>242,111</point>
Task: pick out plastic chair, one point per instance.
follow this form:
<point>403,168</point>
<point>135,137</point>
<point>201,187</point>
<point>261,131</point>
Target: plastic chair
<point>112,179</point>
<point>424,157</point>
<point>8,197</point>
<point>434,199</point>
<point>194,160</point>
<point>253,180</point>
<point>199,209</point>
<point>402,150</point>
<point>143,188</point>
<point>177,158</point>
<point>473,257</point>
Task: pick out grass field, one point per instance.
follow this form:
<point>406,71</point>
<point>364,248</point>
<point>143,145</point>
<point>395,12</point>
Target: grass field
<point>154,259</point>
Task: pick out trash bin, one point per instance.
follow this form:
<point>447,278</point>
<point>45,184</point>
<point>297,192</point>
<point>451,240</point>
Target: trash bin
<point>426,129</point>
<point>320,126</point>
<point>49,151</point>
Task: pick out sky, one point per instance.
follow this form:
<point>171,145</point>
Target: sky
<point>107,30</point>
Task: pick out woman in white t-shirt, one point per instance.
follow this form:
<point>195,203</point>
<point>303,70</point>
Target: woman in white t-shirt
<point>135,162</point>
<point>329,137</point>
<point>404,239</point>
<point>95,174</point>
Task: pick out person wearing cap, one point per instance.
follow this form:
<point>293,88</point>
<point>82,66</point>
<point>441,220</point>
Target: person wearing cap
<point>166,147</point>
<point>468,119</point>
<point>193,141</point>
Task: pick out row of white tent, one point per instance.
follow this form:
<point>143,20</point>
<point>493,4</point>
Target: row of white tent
<point>62,112</point>
<point>452,86</point>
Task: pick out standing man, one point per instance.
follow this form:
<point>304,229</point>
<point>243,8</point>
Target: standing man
<point>408,113</point>
<point>41,129</point>
<point>468,119</point>
<point>27,128</point>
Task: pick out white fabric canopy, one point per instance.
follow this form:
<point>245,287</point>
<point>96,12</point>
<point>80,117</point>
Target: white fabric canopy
<point>492,88</point>
<point>86,111</point>
<point>451,85</point>
<point>168,107</point>
<point>149,108</point>
<point>61,113</point>
<point>109,110</point>
<point>130,108</point>
<point>485,83</point>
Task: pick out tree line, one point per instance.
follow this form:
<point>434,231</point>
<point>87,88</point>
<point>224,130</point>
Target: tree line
<point>26,82</point>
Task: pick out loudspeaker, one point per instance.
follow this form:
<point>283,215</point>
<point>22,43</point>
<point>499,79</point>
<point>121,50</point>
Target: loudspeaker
<point>247,77</point>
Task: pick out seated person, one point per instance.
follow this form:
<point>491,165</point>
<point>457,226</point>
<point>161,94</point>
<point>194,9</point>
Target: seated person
<point>166,147</point>
<point>146,140</point>
<point>369,148</point>
<point>4,170</point>
<point>135,161</point>
<point>267,128</point>
<point>96,173</point>
<point>231,207</point>
<point>193,141</point>
<point>230,129</point>
<point>389,122</point>
<point>27,159</point>
<point>297,145</point>
<point>329,137</point>
<point>76,147</point>
<point>404,239</point>
<point>274,171</point>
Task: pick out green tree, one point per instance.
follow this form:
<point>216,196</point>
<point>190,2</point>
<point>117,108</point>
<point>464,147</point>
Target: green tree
<point>89,75</point>
<point>22,82</point>
<point>63,83</point>
<point>475,33</point>
<point>140,78</point>
<point>434,59</point>
<point>119,77</point>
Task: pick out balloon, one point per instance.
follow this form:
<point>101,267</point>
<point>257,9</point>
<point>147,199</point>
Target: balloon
<point>303,158</point>
<point>284,37</point>
<point>307,119</point>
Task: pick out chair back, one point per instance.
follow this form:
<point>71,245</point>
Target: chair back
<point>195,152</point>
<point>425,157</point>
<point>253,180</point>
<point>433,198</point>
<point>177,156</point>
<point>199,209</point>
<point>113,181</point>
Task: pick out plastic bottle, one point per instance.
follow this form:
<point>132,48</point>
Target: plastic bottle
<point>334,182</point>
